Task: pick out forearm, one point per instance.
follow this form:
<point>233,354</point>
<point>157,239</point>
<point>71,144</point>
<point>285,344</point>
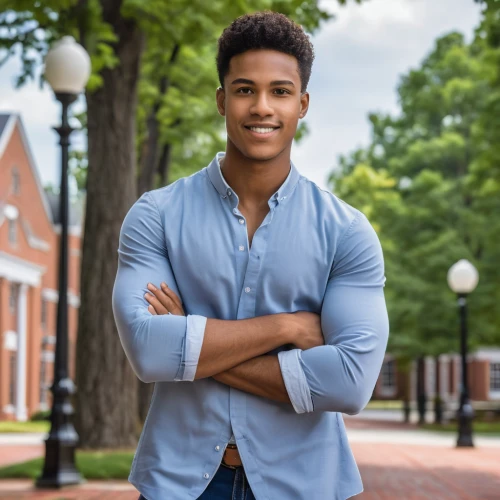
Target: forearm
<point>227,344</point>
<point>260,376</point>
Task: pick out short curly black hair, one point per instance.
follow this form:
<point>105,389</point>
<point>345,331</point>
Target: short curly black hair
<point>265,30</point>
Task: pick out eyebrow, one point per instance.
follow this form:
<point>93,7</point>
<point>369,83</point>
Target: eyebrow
<point>251,82</point>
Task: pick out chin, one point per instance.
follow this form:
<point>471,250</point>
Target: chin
<point>261,154</point>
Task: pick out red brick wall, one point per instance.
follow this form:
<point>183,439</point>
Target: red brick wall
<point>31,209</point>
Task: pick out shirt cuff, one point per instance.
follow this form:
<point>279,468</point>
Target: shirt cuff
<point>295,381</point>
<point>195,332</point>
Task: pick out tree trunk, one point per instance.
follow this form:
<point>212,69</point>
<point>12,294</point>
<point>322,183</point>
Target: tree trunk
<point>145,182</point>
<point>438,403</point>
<point>149,160</point>
<point>164,164</point>
<point>421,394</point>
<point>106,397</point>
<point>404,369</point>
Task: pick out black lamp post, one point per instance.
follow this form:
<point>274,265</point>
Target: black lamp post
<point>67,69</point>
<point>462,279</point>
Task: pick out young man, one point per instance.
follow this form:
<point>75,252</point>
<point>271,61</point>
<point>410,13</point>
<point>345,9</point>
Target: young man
<point>282,323</point>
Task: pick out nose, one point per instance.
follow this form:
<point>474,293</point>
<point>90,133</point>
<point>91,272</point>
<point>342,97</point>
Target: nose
<point>261,105</point>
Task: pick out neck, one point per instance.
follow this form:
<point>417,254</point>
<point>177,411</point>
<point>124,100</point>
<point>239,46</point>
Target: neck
<point>254,181</point>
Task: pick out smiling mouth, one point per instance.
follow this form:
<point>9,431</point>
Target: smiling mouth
<point>262,130</point>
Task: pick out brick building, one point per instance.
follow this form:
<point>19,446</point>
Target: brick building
<point>442,376</point>
<point>29,249</point>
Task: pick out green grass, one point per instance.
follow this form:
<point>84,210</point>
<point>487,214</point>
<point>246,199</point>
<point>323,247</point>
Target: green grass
<point>39,426</point>
<point>91,464</point>
<point>489,428</point>
<point>385,405</point>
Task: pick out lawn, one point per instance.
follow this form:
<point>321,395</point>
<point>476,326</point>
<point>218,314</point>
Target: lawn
<point>91,464</point>
<point>385,405</point>
<point>490,428</point>
<point>20,427</point>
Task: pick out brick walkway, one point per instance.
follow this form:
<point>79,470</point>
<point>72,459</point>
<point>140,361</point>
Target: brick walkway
<point>11,454</point>
<point>389,471</point>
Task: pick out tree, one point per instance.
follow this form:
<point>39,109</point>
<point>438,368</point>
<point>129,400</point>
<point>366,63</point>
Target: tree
<point>418,183</point>
<point>127,40</point>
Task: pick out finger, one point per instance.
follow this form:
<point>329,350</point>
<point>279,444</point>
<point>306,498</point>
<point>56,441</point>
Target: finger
<point>151,309</point>
<point>168,291</point>
<point>158,306</point>
<point>164,299</point>
<point>173,299</point>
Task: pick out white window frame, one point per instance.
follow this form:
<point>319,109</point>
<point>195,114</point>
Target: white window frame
<point>388,371</point>
<point>12,231</point>
<point>16,181</point>
<point>13,291</point>
<point>494,377</point>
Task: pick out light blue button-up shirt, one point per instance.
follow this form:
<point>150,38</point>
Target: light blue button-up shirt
<point>311,253</point>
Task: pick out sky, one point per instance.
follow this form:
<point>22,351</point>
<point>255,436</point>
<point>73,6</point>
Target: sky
<point>360,57</point>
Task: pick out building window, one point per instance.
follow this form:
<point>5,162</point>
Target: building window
<point>43,319</point>
<point>388,386</point>
<point>12,232</point>
<point>13,298</point>
<point>388,374</point>
<point>495,377</point>
<point>12,378</point>
<point>43,385</point>
<point>16,181</point>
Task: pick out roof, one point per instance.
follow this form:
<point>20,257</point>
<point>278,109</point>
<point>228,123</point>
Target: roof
<point>8,122</point>
<point>3,122</point>
<point>76,208</point>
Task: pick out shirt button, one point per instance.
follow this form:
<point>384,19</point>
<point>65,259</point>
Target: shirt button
<point>242,221</point>
<point>206,475</point>
<point>217,448</point>
<point>247,289</point>
<point>229,192</point>
<point>241,247</point>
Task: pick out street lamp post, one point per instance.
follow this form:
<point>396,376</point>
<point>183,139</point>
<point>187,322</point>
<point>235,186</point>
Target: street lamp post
<point>462,279</point>
<point>67,69</point>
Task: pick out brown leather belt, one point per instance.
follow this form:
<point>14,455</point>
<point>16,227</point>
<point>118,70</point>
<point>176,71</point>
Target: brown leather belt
<point>231,457</point>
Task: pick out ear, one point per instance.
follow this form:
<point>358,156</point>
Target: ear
<point>304,104</point>
<point>220,98</point>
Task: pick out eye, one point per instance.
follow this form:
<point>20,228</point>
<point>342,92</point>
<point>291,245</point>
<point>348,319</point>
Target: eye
<point>244,90</point>
<point>281,91</point>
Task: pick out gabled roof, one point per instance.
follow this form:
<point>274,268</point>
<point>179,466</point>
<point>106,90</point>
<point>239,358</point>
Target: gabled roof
<point>3,121</point>
<point>8,124</point>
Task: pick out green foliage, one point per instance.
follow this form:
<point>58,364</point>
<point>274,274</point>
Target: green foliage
<point>177,78</point>
<point>418,183</point>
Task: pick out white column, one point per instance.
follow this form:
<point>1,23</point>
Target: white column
<point>22,311</point>
<point>430,377</point>
<point>444,379</point>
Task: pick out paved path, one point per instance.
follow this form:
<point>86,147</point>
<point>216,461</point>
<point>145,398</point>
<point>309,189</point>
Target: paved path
<point>397,462</point>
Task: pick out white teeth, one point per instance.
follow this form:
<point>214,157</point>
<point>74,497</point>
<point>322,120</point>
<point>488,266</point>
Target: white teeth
<point>261,130</point>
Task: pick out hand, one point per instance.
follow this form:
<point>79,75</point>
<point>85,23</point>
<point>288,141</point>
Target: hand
<point>305,329</point>
<point>163,300</point>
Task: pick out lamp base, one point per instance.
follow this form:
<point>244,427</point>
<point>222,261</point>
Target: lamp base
<point>465,415</point>
<point>59,468</point>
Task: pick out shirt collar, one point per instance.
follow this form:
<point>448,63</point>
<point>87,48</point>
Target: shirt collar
<point>223,188</point>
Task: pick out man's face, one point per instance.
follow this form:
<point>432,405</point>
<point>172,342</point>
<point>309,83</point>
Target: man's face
<point>262,103</point>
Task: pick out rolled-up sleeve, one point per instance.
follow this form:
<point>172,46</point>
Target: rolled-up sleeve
<point>160,348</point>
<point>341,375</point>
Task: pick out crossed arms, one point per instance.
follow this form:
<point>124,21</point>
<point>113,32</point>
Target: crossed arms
<point>232,351</point>
<point>337,376</point>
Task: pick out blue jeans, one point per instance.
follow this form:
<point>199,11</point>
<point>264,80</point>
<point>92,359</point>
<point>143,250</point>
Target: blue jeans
<point>227,484</point>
